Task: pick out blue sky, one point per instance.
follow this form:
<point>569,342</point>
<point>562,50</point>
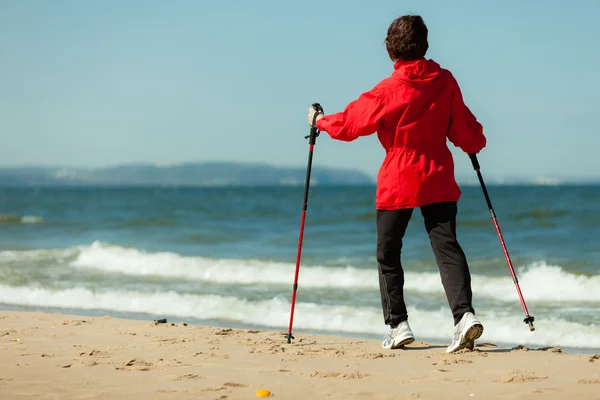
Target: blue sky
<point>107,82</point>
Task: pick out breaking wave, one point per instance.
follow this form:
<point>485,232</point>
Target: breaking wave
<point>539,281</point>
<point>274,313</point>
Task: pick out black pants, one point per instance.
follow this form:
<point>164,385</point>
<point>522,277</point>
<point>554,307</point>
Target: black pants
<point>440,223</point>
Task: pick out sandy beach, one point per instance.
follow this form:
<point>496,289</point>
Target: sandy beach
<point>55,356</point>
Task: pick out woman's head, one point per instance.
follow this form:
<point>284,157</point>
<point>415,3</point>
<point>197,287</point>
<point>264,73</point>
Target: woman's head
<point>407,38</point>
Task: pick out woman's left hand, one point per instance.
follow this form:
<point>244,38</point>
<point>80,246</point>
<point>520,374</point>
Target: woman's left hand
<point>311,116</point>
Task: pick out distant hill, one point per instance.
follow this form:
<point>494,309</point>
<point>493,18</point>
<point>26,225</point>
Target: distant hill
<point>187,174</point>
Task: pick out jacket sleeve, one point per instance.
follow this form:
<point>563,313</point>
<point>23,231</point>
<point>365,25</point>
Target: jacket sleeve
<point>464,130</point>
<point>360,118</point>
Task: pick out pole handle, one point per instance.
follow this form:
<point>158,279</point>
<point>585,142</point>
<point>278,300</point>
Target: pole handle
<point>314,132</point>
<point>474,161</point>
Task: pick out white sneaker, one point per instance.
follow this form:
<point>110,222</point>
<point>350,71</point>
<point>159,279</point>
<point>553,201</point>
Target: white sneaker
<point>466,332</point>
<point>398,337</point>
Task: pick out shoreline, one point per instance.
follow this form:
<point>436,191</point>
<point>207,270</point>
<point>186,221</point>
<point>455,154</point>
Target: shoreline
<point>53,355</point>
<point>297,332</point>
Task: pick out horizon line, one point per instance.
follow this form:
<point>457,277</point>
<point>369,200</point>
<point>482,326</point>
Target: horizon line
<point>545,180</point>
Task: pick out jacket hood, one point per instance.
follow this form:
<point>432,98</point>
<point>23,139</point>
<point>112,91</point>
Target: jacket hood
<point>417,73</point>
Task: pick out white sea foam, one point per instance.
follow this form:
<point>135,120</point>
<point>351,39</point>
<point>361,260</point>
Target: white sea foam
<point>539,281</point>
<point>274,313</point>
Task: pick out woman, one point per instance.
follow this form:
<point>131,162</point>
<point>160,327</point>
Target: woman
<point>413,112</point>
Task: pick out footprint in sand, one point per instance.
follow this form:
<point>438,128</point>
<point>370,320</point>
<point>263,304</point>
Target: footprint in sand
<point>589,381</point>
<point>96,353</point>
<point>169,341</point>
<point>337,375</point>
<point>80,363</point>
<point>88,359</point>
<point>210,389</point>
<point>450,361</point>
<point>520,377</point>
<point>76,322</point>
<point>274,349</point>
<point>373,356</point>
<point>135,365</point>
<point>219,356</point>
<point>187,377</point>
<point>234,384</point>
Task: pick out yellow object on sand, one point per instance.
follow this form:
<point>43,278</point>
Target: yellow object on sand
<point>263,393</point>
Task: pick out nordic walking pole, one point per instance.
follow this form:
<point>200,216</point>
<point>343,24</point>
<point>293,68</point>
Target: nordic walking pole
<point>314,132</point>
<point>528,318</point>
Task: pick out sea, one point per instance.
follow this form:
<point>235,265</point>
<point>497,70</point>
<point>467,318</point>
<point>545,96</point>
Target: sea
<point>226,256</point>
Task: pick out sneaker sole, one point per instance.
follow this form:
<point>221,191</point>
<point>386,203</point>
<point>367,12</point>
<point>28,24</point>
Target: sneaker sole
<point>403,343</point>
<point>474,332</point>
<point>468,341</point>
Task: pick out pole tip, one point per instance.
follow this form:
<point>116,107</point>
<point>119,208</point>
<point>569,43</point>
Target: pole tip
<point>529,321</point>
<point>289,337</point>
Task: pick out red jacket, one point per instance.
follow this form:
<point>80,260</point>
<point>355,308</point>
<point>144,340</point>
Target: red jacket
<point>413,112</point>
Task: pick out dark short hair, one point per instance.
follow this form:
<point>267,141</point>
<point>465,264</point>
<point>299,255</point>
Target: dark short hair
<point>407,38</point>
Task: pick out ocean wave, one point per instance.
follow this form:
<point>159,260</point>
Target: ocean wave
<point>131,261</point>
<point>538,281</point>
<point>38,255</point>
<point>274,313</point>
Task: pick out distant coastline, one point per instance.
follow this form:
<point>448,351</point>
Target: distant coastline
<point>225,174</point>
<point>209,174</point>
